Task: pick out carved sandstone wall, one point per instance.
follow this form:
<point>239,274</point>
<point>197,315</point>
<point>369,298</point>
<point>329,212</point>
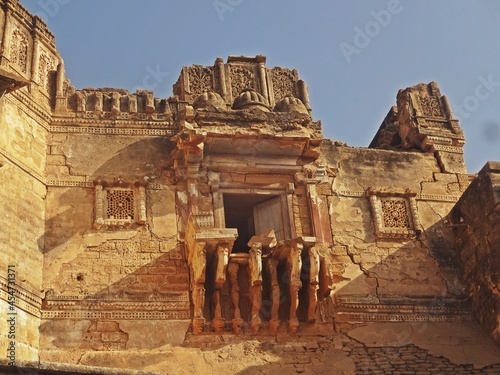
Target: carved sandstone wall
<point>28,61</point>
<point>220,219</point>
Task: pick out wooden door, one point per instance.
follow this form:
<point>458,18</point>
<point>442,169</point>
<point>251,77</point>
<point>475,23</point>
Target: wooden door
<point>270,215</point>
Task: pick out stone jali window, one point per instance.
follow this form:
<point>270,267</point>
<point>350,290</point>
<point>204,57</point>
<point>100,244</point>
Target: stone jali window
<point>119,206</point>
<point>393,213</point>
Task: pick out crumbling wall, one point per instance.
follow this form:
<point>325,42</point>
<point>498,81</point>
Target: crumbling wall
<point>475,220</point>
<point>118,279</point>
<point>377,258</point>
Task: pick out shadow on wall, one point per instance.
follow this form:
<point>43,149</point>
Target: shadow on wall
<point>70,210</point>
<point>408,272</point>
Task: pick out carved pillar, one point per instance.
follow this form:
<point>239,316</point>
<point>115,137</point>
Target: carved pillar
<point>221,259</point>
<point>304,94</point>
<point>98,101</point>
<point>81,101</point>
<point>262,81</point>
<point>219,63</point>
<point>294,265</point>
<point>272,269</point>
<point>197,267</point>
<point>218,203</point>
<point>312,291</point>
<point>34,57</point>
<point>255,274</point>
<point>132,103</point>
<point>233,269</point>
<point>5,53</point>
<point>150,103</point>
<point>61,100</point>
<point>115,103</point>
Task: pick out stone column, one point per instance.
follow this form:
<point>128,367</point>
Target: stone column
<point>197,267</point>
<point>294,265</point>
<point>272,268</point>
<point>221,259</point>
<point>262,81</point>
<point>237,322</point>
<point>312,291</point>
<point>255,274</point>
<point>5,52</point>
<point>219,63</point>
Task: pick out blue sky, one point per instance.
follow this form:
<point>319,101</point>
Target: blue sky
<point>116,43</point>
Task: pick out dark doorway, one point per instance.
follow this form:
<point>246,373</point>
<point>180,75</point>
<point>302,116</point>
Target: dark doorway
<point>239,212</point>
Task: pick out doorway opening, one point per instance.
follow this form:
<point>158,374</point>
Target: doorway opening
<point>251,214</point>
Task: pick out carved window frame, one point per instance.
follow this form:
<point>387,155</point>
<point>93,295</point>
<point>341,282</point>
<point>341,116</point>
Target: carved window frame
<point>103,194</point>
<point>377,198</point>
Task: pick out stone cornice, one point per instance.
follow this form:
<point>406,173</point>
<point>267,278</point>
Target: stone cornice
<point>26,298</point>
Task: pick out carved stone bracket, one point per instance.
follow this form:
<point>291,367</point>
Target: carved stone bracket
<point>203,245</point>
<point>293,253</point>
<point>253,260</point>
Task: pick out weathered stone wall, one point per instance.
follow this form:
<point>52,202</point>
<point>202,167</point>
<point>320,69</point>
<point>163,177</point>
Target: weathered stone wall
<point>122,282</point>
<point>22,160</point>
<point>371,266</point>
<point>27,56</point>
<point>476,227</point>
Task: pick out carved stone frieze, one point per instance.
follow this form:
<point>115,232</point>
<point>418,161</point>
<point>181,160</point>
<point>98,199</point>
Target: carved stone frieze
<point>26,298</point>
<point>45,66</point>
<point>19,50</point>
<point>159,306</point>
<point>241,78</point>
<point>284,83</point>
<point>430,106</point>
<point>201,79</point>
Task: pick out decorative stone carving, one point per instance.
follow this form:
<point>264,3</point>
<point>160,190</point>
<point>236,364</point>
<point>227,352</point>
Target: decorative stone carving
<point>241,78</point>
<point>234,286</point>
<point>221,258</point>
<point>19,50</point>
<point>209,100</point>
<point>272,269</point>
<point>249,98</point>
<point>197,271</point>
<point>117,207</point>
<point>283,83</point>
<point>430,106</point>
<point>394,213</point>
<point>294,266</point>
<point>200,80</point>
<point>290,104</point>
<point>81,101</point>
<point>255,274</point>
<point>204,244</point>
<point>45,65</point>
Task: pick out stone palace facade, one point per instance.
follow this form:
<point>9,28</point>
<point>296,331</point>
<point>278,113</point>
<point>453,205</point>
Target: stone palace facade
<point>136,229</point>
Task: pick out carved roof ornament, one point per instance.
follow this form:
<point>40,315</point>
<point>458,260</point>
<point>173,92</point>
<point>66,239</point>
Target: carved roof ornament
<point>237,74</point>
<point>291,104</point>
<point>249,98</point>
<point>209,100</point>
<point>421,120</point>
